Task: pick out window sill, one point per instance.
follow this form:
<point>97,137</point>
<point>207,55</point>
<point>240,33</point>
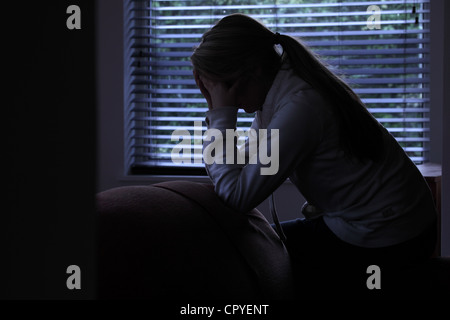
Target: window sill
<point>151,179</point>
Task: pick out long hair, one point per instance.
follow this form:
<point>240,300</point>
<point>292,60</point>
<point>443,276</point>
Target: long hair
<point>238,45</point>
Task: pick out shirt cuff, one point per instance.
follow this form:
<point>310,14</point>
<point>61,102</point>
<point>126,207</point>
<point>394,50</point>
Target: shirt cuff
<point>222,118</point>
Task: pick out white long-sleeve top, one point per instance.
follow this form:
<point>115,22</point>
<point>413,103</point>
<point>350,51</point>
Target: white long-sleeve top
<point>366,204</point>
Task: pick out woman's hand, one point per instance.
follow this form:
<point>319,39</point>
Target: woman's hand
<point>217,94</point>
<point>202,88</point>
<point>221,94</point>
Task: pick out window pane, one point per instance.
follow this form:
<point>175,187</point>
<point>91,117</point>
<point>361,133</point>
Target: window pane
<point>387,65</point>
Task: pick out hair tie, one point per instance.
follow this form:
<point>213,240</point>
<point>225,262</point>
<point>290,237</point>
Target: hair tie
<point>276,38</point>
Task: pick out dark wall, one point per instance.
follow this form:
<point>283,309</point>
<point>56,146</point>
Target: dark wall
<point>48,222</point>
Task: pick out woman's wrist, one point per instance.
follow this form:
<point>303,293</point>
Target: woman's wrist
<point>222,118</point>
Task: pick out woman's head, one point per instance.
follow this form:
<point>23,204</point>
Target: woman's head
<point>236,46</point>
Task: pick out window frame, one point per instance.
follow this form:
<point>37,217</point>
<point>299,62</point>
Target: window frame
<point>156,170</point>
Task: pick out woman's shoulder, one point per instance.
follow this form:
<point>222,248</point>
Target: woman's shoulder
<point>294,89</point>
<point>308,98</point>
<point>289,93</point>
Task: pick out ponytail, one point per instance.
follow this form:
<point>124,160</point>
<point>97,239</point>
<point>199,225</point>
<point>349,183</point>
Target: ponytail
<point>359,132</point>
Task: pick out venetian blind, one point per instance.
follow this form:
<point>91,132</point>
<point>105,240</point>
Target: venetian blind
<point>380,46</point>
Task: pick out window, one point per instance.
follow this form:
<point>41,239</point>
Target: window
<point>385,60</point>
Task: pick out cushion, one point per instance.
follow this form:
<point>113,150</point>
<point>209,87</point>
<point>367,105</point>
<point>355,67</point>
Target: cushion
<point>179,240</point>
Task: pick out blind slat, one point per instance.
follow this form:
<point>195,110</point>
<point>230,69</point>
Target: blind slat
<point>324,52</point>
<point>366,71</point>
<point>288,25</point>
<point>333,15</point>
<point>368,61</point>
<point>319,34</point>
<point>309,4</point>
